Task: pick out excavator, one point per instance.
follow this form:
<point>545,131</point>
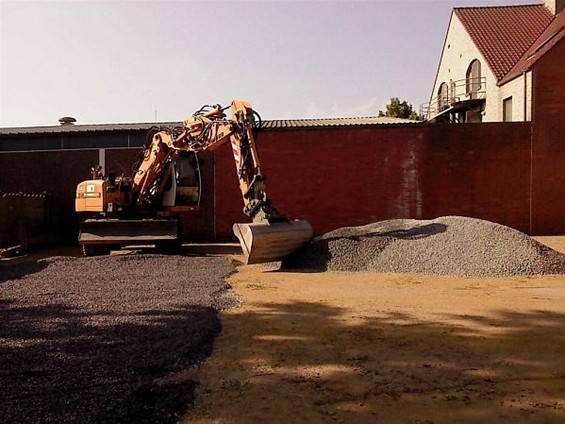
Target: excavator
<point>166,183</point>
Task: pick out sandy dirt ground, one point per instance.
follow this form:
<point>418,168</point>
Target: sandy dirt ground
<point>390,348</point>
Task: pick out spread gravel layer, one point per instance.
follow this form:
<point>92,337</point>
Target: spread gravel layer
<point>106,339</point>
<point>451,245</point>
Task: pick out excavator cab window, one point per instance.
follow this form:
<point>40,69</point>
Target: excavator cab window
<point>188,179</point>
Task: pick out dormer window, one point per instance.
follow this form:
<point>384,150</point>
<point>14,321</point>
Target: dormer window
<point>473,78</point>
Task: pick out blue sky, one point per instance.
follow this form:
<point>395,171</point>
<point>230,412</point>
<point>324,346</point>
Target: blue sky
<point>134,61</point>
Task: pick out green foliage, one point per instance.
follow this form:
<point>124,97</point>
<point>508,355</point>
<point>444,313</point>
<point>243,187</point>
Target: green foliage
<point>397,109</point>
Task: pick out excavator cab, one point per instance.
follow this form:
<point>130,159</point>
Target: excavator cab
<point>188,179</point>
<point>184,183</point>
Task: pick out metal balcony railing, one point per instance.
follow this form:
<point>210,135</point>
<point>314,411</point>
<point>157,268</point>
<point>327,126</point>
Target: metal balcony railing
<point>458,93</point>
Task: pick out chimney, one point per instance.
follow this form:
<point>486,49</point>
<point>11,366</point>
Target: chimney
<point>555,6</point>
<point>67,120</point>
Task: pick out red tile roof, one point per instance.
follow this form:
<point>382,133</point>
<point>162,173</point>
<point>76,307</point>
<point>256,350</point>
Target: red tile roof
<point>504,33</point>
<point>549,38</point>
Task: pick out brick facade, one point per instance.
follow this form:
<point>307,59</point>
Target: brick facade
<point>331,177</point>
<point>479,170</point>
<point>336,178</point>
<point>548,153</point>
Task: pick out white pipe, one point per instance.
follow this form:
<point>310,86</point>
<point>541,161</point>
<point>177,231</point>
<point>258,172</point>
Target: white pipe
<point>102,159</point>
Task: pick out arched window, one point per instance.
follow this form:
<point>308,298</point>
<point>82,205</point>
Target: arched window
<point>473,78</point>
<point>443,97</point>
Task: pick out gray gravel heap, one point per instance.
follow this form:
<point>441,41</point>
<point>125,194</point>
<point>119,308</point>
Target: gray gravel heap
<point>105,339</point>
<point>451,245</point>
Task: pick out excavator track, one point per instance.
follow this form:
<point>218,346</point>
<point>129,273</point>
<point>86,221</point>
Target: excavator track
<point>98,236</point>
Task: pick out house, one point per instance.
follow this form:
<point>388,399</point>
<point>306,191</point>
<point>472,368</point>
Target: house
<point>488,71</point>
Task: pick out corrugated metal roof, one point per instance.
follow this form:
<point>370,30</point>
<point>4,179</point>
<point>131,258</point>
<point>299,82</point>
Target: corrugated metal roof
<point>64,129</point>
<point>267,124</point>
<point>504,33</point>
<point>549,38</point>
<point>335,122</point>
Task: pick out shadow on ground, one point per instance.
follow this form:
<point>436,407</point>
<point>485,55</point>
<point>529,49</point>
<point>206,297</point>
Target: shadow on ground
<point>301,362</point>
<point>62,364</point>
<point>9,272</point>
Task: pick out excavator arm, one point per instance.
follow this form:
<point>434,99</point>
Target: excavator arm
<point>271,235</point>
<point>206,131</point>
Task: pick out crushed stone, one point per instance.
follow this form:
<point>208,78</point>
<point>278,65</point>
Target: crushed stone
<point>451,245</point>
<point>107,339</point>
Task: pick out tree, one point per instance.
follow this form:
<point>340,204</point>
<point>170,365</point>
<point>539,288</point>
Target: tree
<point>397,109</point>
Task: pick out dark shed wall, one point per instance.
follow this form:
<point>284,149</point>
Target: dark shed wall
<point>59,171</point>
<point>548,155</point>
<point>71,140</point>
<point>56,172</point>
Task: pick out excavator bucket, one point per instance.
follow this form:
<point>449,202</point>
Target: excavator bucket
<point>268,242</point>
<point>114,231</point>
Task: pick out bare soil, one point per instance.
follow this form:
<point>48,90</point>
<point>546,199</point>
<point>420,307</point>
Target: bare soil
<point>390,348</point>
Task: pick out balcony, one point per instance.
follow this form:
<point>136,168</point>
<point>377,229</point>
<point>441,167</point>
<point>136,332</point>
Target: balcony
<point>455,100</point>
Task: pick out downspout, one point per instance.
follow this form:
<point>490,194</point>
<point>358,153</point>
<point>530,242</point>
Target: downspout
<point>102,159</point>
<point>525,96</point>
<point>532,155</point>
<point>531,176</point>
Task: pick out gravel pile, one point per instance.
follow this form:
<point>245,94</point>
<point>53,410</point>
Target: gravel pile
<point>105,339</point>
<point>450,245</point>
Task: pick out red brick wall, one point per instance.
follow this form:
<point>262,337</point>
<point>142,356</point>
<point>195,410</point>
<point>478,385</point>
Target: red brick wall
<point>478,170</point>
<point>336,177</point>
<point>548,153</point>
<point>353,176</point>
<point>331,177</point>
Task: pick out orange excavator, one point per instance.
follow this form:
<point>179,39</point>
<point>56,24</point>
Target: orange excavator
<point>146,208</point>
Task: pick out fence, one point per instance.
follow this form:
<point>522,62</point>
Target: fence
<point>28,219</point>
<point>451,94</point>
